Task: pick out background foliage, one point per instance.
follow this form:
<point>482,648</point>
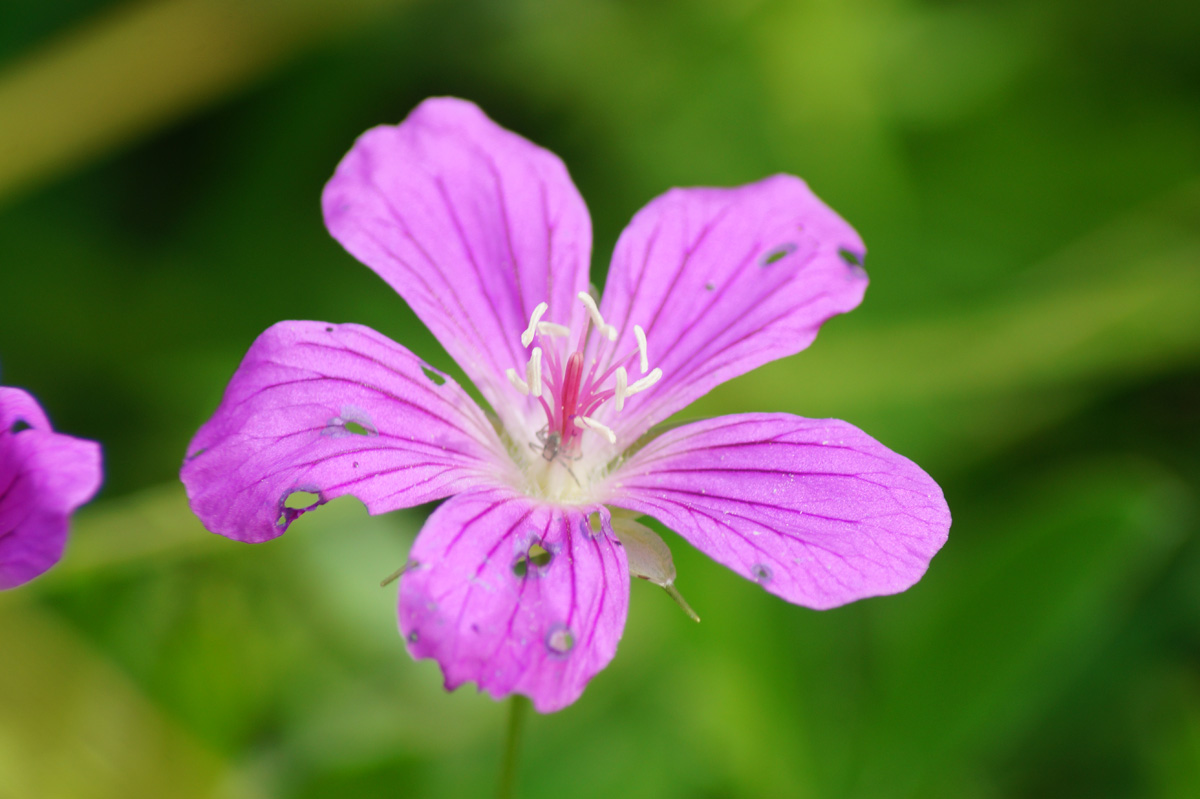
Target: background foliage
<point>1026,175</point>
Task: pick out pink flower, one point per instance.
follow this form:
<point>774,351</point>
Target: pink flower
<point>520,581</point>
<point>44,477</point>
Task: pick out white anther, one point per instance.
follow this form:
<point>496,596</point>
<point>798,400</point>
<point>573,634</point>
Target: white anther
<point>530,331</point>
<point>587,422</point>
<point>533,372</point>
<point>518,383</point>
<point>640,335</point>
<point>608,331</point>
<point>553,329</point>
<point>620,392</point>
<point>645,382</point>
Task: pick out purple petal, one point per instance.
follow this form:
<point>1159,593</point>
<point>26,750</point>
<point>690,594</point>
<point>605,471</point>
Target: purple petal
<point>44,477</point>
<point>328,410</point>
<point>815,510</point>
<point>723,281</point>
<point>473,226</point>
<point>478,603</point>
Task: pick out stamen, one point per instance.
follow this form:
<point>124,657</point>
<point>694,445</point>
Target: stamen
<point>527,336</point>
<point>533,372</point>
<point>620,391</point>
<point>590,423</point>
<point>608,331</point>
<point>553,329</point>
<point>518,383</point>
<point>645,382</point>
<point>640,335</point>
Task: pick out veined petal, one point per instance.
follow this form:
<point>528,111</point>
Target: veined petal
<point>814,510</point>
<point>44,477</point>
<point>327,410</point>
<point>474,226</point>
<point>723,281</point>
<point>483,599</point>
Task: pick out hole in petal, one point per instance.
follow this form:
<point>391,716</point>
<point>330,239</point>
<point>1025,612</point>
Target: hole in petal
<point>197,453</point>
<point>537,555</point>
<point>296,503</point>
<point>437,378</point>
<point>761,574</point>
<point>560,640</point>
<point>20,426</point>
<point>353,421</point>
<point>414,637</point>
<point>850,257</point>
<point>302,500</point>
<point>778,254</point>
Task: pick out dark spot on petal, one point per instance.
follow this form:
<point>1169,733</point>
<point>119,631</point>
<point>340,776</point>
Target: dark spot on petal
<point>354,465</point>
<point>329,329</point>
<point>537,555</point>
<point>413,637</point>
<point>710,287</point>
<point>435,377</point>
<point>777,254</point>
<point>20,426</point>
<point>761,574</point>
<point>560,640</point>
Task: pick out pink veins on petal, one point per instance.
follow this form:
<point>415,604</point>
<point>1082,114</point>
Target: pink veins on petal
<point>519,581</point>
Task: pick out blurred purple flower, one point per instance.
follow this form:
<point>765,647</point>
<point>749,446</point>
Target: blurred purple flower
<point>44,477</point>
<point>520,581</point>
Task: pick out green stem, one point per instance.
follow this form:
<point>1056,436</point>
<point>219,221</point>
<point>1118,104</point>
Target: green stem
<point>517,707</point>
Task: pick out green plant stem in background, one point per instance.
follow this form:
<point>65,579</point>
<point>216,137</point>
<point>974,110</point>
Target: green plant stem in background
<point>137,68</point>
<point>518,708</point>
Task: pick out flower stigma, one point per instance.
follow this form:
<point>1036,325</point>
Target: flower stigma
<point>574,444</point>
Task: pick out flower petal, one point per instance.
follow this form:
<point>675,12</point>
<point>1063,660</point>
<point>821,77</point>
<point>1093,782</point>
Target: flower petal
<point>44,477</point>
<point>815,510</point>
<point>473,226</point>
<point>488,609</point>
<point>723,281</point>
<point>327,410</point>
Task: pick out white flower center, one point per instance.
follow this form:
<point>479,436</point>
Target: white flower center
<point>574,445</point>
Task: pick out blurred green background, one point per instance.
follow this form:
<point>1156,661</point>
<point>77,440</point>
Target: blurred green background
<point>1026,175</point>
